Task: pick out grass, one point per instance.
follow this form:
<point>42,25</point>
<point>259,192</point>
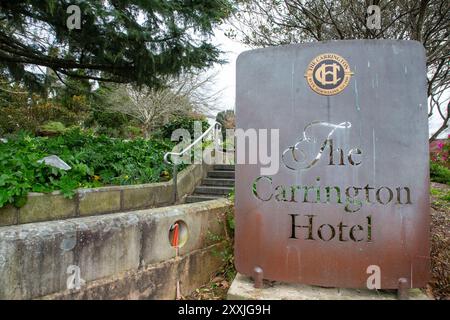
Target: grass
<point>440,198</point>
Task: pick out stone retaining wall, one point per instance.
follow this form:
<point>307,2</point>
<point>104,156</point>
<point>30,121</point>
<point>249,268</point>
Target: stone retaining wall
<point>88,202</point>
<point>119,256</point>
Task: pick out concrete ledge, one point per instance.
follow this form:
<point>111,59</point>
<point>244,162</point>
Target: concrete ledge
<point>147,195</point>
<point>34,257</point>
<point>97,201</point>
<point>242,289</point>
<point>44,207</point>
<point>8,215</point>
<point>154,282</point>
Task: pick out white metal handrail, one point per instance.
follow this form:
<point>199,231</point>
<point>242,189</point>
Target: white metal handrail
<point>215,126</point>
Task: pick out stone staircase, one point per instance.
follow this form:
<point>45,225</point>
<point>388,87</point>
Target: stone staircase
<point>218,184</point>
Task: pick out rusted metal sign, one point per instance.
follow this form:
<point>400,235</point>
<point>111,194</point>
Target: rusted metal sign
<point>347,197</point>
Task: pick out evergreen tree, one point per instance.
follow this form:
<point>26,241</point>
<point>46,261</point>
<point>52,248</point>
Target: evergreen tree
<point>122,41</point>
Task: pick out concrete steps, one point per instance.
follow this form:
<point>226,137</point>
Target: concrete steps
<point>224,174</point>
<point>218,184</point>
<point>213,190</point>
<point>225,167</point>
<point>199,197</point>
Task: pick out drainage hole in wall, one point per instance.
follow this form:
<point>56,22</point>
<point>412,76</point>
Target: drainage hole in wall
<point>178,234</point>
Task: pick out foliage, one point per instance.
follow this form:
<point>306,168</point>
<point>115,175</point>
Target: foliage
<point>112,124</point>
<point>220,283</point>
<point>30,118</point>
<point>133,132</point>
<point>228,269</point>
<point>54,127</point>
<point>148,107</point>
<point>125,41</point>
<point>228,145</point>
<point>152,108</point>
<point>230,216</point>
<point>439,173</point>
<point>95,161</point>
<point>22,110</point>
<point>441,194</point>
<point>116,111</point>
<point>182,122</point>
<point>263,23</point>
<point>227,120</point>
<point>441,152</point>
<point>73,104</point>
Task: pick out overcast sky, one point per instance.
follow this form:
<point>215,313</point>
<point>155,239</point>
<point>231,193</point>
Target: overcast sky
<point>226,78</point>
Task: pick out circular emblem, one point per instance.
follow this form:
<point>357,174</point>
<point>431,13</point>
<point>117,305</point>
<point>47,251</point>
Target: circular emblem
<point>328,74</point>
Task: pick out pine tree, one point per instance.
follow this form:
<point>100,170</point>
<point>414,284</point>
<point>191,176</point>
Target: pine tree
<point>122,41</point>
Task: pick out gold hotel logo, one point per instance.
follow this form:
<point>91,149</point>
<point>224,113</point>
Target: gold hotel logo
<point>328,74</point>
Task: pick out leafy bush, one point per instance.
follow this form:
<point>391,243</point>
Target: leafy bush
<point>133,131</point>
<point>182,122</point>
<point>111,124</point>
<point>53,127</point>
<point>23,117</point>
<point>439,173</point>
<point>441,194</point>
<point>440,151</point>
<point>95,161</point>
<point>227,119</point>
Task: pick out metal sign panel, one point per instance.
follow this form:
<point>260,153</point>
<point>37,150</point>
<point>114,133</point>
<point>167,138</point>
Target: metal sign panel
<point>350,198</point>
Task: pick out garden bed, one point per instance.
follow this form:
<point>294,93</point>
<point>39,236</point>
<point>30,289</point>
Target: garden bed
<point>107,175</point>
<point>104,200</point>
<point>94,161</point>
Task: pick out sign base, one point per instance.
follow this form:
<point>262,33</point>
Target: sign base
<point>243,288</point>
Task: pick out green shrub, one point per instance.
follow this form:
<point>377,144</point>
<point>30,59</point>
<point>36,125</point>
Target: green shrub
<point>15,118</point>
<point>95,161</point>
<point>133,131</point>
<point>181,122</point>
<point>53,127</point>
<point>439,173</point>
<point>107,123</point>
